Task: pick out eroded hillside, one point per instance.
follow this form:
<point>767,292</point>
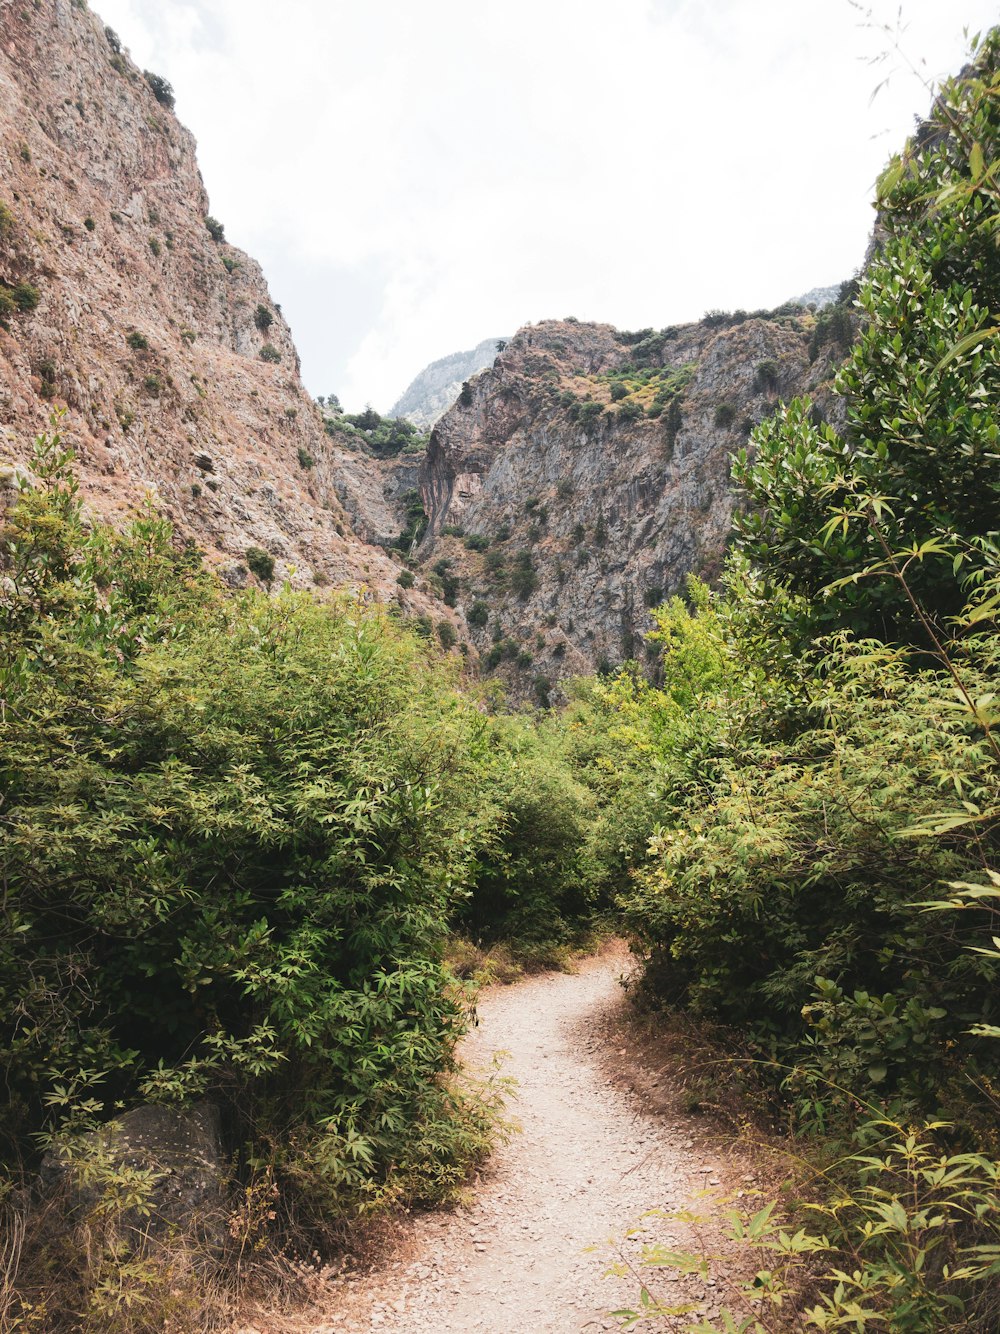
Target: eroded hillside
<point>126,307</point>
<point>578,481</point>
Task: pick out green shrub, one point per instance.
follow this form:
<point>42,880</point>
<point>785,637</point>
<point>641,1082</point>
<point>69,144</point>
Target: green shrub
<point>270,353</point>
<point>215,229</point>
<point>523,575</point>
<point>724,416</point>
<point>446,634</point>
<point>476,542</point>
<point>405,579</point>
<point>19,299</point>
<point>260,563</point>
<point>479,614</point>
<point>263,318</point>
<point>137,342</point>
<point>160,89</point>
<point>230,818</point>
<point>6,220</point>
<point>306,460</point>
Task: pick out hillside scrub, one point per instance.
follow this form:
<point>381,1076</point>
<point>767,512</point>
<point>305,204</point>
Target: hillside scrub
<point>824,880</point>
<point>236,830</point>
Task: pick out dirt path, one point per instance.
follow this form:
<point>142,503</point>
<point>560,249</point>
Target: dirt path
<point>589,1161</point>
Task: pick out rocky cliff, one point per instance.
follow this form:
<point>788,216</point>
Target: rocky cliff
<point>437,386</point>
<point>586,472</point>
<point>121,303</point>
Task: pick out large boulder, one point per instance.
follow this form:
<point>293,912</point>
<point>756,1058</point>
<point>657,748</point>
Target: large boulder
<point>154,1170</point>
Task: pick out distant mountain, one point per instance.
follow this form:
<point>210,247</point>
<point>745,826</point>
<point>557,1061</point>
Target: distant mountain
<point>437,386</point>
<point>818,297</point>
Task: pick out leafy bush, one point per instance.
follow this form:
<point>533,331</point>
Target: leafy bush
<point>479,614</point>
<point>909,480</point>
<point>215,229</point>
<point>260,563</point>
<point>230,876</point>
<point>137,342</point>
<point>263,318</point>
<point>405,579</point>
<point>270,353</point>
<point>724,416</point>
<point>523,575</point>
<point>19,299</point>
<point>306,460</point>
<point>161,90</point>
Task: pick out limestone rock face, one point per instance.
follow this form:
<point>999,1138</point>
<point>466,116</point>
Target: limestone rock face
<point>147,330</point>
<point>433,391</point>
<point>589,471</point>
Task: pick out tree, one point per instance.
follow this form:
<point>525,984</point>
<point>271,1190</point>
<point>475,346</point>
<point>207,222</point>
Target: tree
<point>913,480</point>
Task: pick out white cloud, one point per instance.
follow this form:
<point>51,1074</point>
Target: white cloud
<point>415,177</point>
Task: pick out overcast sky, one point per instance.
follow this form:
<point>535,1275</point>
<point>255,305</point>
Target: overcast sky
<point>416,175</point>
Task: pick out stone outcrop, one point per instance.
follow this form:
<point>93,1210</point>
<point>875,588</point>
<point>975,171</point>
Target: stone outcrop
<point>172,1159</point>
<point>587,473</point>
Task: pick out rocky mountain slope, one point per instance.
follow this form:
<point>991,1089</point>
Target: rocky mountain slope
<point>437,386</point>
<point>581,477</point>
<point>121,303</point>
<point>571,485</point>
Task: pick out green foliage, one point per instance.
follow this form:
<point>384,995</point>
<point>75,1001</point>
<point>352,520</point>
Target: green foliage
<point>416,521</point>
<point>306,460</point>
<point>523,575</point>
<point>215,229</point>
<point>260,563</point>
<point>405,579</point>
<point>385,437</point>
<point>909,1244</point>
<point>915,476</point>
<point>725,415</point>
<point>823,756</point>
<point>263,318</point>
<point>161,90</point>
<point>270,353</point>
<point>233,830</point>
<point>137,342</point>
<point>21,299</point>
<point>479,614</point>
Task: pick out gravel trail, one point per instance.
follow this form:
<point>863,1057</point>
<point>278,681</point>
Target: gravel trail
<point>588,1163</point>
